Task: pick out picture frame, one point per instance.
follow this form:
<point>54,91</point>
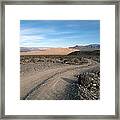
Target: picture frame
<point>70,2</point>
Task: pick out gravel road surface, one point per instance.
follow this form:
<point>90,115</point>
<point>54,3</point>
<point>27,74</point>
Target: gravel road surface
<point>57,83</point>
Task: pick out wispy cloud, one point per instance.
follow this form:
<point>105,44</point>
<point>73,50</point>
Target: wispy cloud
<point>31,38</point>
<point>35,31</point>
<point>58,32</point>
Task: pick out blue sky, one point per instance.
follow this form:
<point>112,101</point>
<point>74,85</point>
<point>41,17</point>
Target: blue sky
<point>59,33</point>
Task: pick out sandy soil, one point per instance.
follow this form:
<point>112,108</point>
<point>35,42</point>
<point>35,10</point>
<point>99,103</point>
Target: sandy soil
<point>50,51</point>
<point>52,83</point>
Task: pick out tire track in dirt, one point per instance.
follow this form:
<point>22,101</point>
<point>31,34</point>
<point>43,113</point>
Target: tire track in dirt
<point>90,65</point>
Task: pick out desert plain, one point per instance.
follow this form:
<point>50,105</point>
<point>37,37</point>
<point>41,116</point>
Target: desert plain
<point>60,74</point>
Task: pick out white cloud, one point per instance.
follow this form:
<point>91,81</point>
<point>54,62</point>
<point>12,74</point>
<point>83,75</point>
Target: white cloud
<point>36,31</point>
<point>31,38</point>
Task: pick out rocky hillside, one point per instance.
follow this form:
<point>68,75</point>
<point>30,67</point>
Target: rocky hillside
<point>95,52</point>
<point>90,47</point>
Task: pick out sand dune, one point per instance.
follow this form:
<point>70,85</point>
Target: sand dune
<point>50,51</point>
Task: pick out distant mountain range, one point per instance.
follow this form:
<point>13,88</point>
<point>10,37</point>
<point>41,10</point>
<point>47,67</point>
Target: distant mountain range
<point>90,47</point>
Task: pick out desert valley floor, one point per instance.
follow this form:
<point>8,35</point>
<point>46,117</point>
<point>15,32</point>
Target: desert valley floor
<point>67,74</point>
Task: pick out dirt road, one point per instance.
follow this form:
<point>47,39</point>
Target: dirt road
<point>54,84</point>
